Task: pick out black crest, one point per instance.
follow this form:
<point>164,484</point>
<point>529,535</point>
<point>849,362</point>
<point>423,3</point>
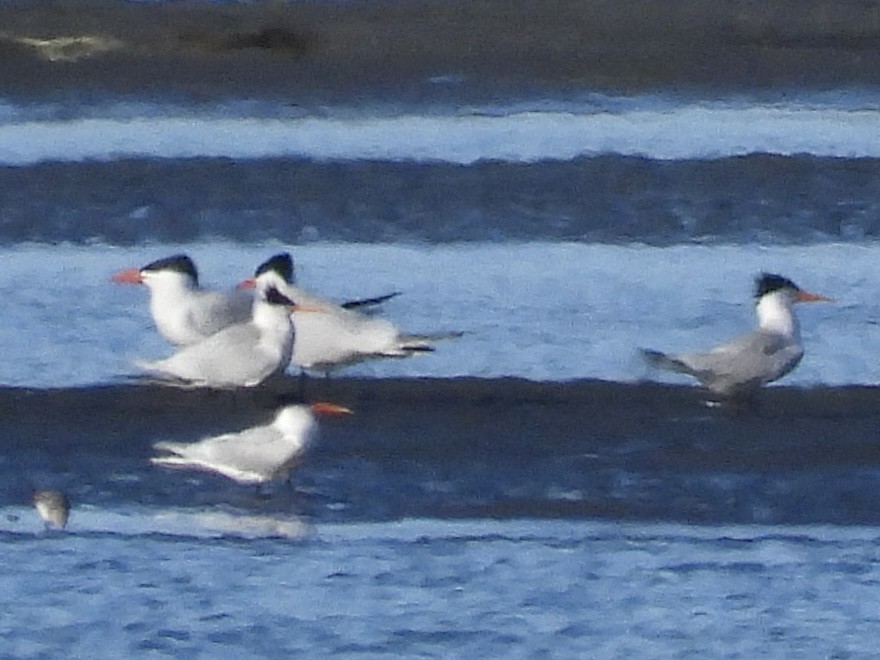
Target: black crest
<point>768,283</point>
<point>281,263</point>
<point>179,263</point>
<point>273,297</point>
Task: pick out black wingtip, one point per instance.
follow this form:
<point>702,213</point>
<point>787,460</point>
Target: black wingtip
<point>370,302</point>
<point>654,358</point>
<point>420,349</point>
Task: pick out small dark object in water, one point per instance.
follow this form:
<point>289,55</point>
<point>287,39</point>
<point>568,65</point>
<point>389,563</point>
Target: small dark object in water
<point>53,507</point>
<point>273,38</point>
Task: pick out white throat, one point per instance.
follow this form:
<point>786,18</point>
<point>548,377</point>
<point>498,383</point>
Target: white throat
<point>171,296</point>
<point>297,425</point>
<point>270,317</point>
<point>775,314</point>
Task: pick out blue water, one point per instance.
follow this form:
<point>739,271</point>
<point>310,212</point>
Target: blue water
<point>544,311</point>
<point>430,589</point>
<point>560,238</point>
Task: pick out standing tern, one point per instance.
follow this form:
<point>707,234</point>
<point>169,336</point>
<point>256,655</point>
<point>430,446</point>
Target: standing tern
<point>331,336</point>
<point>184,312</point>
<point>737,369</point>
<point>241,355</point>
<point>257,455</point>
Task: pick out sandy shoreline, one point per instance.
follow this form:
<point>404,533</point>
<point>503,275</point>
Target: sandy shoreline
<point>452,51</point>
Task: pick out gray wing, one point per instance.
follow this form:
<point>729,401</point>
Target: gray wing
<point>230,357</point>
<point>338,337</point>
<point>258,451</point>
<point>745,362</point>
<point>303,297</point>
<point>216,310</point>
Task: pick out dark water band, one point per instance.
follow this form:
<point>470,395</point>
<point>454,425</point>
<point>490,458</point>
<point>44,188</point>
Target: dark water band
<point>507,415</point>
<point>610,199</point>
<point>470,448</point>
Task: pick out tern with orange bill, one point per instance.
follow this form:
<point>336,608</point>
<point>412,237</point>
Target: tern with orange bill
<point>257,455</point>
<point>184,312</point>
<point>334,336</point>
<point>736,369</point>
<point>241,355</point>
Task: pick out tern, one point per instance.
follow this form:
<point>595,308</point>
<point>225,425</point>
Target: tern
<point>184,312</point>
<point>257,455</point>
<point>241,355</point>
<point>737,368</point>
<point>332,336</point>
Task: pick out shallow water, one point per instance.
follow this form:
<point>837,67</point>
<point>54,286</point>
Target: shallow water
<point>517,588</point>
<point>674,131</point>
<point>544,311</point>
<point>551,516</point>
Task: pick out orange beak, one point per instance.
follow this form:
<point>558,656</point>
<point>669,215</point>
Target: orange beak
<point>324,408</point>
<point>129,276</point>
<point>315,309</point>
<point>249,283</point>
<point>806,296</point>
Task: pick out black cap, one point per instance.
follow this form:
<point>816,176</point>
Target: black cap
<point>769,282</point>
<point>179,263</point>
<point>281,263</point>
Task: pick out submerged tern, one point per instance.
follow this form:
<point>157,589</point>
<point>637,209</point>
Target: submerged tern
<point>331,336</point>
<point>184,312</point>
<point>256,455</point>
<point>241,355</point>
<point>739,367</point>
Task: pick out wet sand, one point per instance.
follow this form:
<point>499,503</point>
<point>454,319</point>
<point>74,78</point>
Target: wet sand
<point>500,413</point>
<point>470,448</point>
<point>384,50</point>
